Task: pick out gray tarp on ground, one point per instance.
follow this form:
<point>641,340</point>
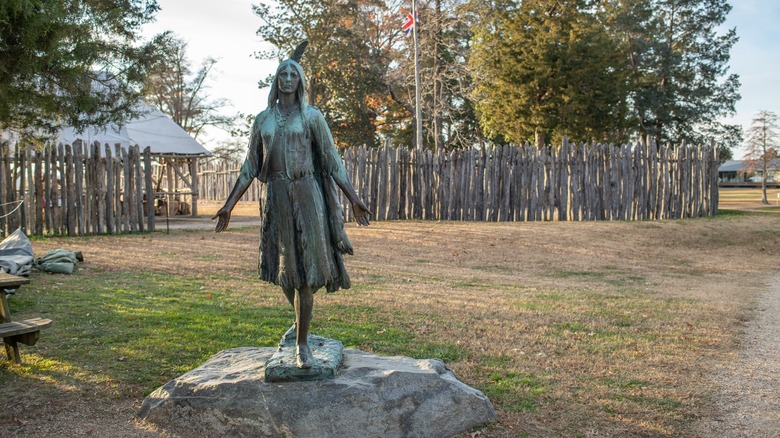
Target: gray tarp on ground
<point>16,254</point>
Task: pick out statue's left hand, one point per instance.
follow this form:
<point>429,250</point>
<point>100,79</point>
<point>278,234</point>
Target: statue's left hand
<point>361,212</point>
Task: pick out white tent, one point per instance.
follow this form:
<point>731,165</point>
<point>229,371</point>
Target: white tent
<point>152,128</point>
<point>171,147</point>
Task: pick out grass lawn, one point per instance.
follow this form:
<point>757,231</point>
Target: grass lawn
<point>748,198</point>
<point>572,329</point>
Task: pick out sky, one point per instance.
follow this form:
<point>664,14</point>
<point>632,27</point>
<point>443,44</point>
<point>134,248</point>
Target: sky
<point>755,58</point>
<point>226,31</point>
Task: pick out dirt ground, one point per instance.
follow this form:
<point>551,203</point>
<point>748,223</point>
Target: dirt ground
<point>732,273</point>
<point>749,401</point>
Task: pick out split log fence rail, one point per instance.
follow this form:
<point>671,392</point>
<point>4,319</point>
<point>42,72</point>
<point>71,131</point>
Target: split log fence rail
<point>521,183</point>
<point>75,190</point>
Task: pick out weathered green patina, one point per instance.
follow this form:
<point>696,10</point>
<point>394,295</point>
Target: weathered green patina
<point>326,358</point>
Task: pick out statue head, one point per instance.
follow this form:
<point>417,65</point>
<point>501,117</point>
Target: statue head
<point>300,92</point>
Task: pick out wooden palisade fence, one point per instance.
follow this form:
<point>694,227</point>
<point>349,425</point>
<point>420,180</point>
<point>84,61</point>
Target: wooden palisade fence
<point>75,190</point>
<point>217,179</point>
<point>523,183</point>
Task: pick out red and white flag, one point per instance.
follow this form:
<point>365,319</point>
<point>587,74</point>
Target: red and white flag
<point>408,24</point>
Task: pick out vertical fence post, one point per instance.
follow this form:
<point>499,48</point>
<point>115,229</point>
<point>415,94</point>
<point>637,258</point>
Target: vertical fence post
<point>149,188</point>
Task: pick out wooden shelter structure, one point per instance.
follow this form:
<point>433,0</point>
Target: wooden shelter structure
<point>174,152</point>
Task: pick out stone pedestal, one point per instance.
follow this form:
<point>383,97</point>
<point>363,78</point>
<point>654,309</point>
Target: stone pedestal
<point>371,396</point>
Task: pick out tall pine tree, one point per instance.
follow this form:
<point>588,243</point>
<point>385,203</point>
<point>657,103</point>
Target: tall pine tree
<point>544,69</point>
<point>678,58</point>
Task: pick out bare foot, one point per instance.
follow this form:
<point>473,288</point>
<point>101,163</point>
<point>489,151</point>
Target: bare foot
<point>303,357</point>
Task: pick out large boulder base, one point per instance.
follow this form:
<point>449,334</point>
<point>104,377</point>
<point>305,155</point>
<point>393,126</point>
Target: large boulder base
<point>371,396</point>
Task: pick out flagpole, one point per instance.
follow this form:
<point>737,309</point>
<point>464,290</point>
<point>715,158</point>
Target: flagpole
<point>417,108</point>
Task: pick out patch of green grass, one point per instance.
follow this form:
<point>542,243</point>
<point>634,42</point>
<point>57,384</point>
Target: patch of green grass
<point>617,382</point>
<point>730,213</point>
<point>364,327</point>
<point>515,390</point>
<point>510,388</point>
<point>356,326</point>
<point>140,329</point>
<point>627,280</point>
<point>470,283</point>
<point>448,352</point>
<point>570,274</point>
<point>541,301</point>
<point>144,329</point>
<point>573,327</point>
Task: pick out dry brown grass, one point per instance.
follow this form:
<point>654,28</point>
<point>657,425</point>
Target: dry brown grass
<point>574,329</point>
<point>746,198</point>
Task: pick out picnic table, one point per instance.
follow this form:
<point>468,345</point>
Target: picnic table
<point>13,333</point>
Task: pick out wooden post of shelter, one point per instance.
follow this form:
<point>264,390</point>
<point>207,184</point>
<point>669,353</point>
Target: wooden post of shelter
<point>194,185</point>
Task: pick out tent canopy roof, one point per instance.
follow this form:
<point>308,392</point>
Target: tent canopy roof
<point>152,128</point>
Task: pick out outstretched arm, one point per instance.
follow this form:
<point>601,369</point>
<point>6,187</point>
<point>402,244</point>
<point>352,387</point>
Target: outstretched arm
<point>359,209</point>
<point>249,171</point>
<point>223,214</point>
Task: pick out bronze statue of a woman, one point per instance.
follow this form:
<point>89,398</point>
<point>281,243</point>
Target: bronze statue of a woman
<point>302,236</point>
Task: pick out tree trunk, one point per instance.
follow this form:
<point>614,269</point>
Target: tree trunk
<point>438,103</point>
<point>764,199</point>
<point>538,137</point>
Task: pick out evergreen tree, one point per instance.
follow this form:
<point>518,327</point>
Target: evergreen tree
<point>545,69</point>
<point>678,60</point>
<point>74,62</point>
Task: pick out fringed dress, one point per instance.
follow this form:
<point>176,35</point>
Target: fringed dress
<point>302,221</point>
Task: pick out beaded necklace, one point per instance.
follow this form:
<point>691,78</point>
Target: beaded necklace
<point>281,119</point>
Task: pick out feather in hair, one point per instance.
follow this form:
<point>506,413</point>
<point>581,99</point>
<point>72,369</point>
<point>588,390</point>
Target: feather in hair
<point>298,52</point>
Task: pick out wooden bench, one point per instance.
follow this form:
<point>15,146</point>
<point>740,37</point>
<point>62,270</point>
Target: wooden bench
<point>14,333</point>
<point>24,332</point>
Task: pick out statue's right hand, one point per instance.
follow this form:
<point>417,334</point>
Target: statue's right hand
<point>223,219</point>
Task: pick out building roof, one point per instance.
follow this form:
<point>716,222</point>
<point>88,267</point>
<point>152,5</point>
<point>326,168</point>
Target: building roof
<point>739,165</point>
<point>731,166</point>
<point>153,129</point>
